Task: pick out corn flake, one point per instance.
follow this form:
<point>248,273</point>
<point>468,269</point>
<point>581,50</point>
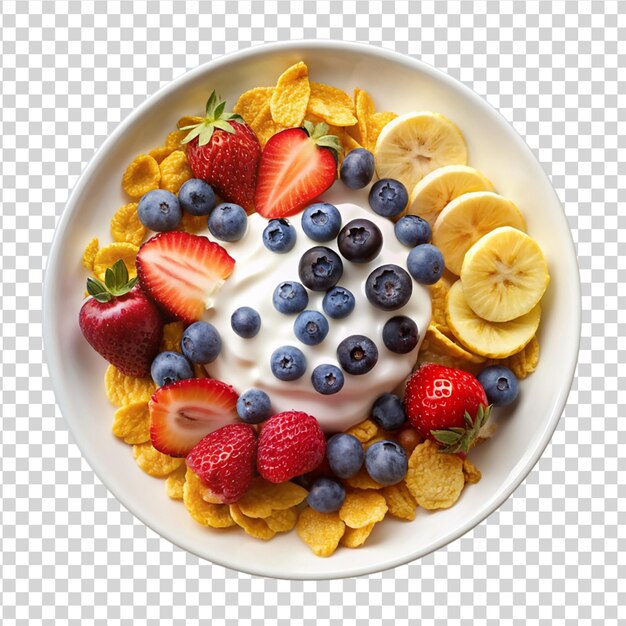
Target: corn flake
<point>264,126</point>
<point>320,531</point>
<point>192,223</point>
<point>470,472</point>
<point>438,342</point>
<point>364,107</point>
<point>175,171</point>
<point>282,521</point>
<point>89,255</point>
<point>264,498</point>
<point>362,507</point>
<point>175,138</point>
<point>141,176</point>
<point>251,102</point>
<point>175,483</point>
<point>106,257</point>
<point>366,430</point>
<point>188,120</point>
<point>438,294</point>
<point>213,515</point>
<point>172,336</point>
<point>125,225</point>
<point>289,101</point>
<point>362,480</point>
<point>122,389</point>
<point>400,502</point>
<point>256,528</point>
<point>199,371</point>
<point>355,537</point>
<point>375,124</point>
<point>333,105</point>
<point>153,462</point>
<point>132,423</point>
<point>521,363</point>
<point>158,154</point>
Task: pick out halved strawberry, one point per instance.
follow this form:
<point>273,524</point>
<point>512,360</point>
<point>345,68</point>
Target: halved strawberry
<point>183,272</point>
<point>182,413</point>
<point>296,166</point>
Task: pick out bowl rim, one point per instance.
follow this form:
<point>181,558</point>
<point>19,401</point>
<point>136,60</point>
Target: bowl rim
<point>51,345</point>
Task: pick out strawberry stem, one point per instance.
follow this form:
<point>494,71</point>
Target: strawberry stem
<point>319,134</point>
<point>458,440</point>
<point>115,283</point>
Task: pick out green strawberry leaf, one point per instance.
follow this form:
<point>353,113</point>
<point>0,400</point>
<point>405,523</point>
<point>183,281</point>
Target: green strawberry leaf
<point>458,439</point>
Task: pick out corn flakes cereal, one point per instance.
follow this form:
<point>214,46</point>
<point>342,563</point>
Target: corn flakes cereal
<point>282,521</point>
<point>192,223</point>
<point>89,255</point>
<point>438,342</point>
<point>188,120</point>
<point>106,257</point>
<point>364,107</point>
<point>521,363</point>
<point>141,176</point>
<point>348,142</point>
<point>175,139</point>
<point>362,507</point>
<point>438,294</point>
<point>362,480</point>
<point>289,101</point>
<point>426,356</point>
<point>256,528</point>
<point>435,479</point>
<point>175,483</point>
<point>400,502</point>
<point>158,154</point>
<point>333,105</point>
<point>172,335</point>
<point>263,498</point>
<point>355,537</point>
<point>375,123</point>
<point>213,515</point>
<point>122,389</point>
<point>153,462</point>
<point>125,225</point>
<point>251,102</point>
<point>471,472</point>
<point>199,371</point>
<point>366,430</point>
<point>131,423</point>
<point>175,171</point>
<point>264,126</point>
<point>320,531</point>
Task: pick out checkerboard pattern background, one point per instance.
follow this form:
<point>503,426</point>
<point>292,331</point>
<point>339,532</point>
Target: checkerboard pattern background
<point>555,552</point>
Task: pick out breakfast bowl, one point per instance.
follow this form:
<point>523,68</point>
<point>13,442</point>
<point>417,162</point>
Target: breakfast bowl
<point>397,83</point>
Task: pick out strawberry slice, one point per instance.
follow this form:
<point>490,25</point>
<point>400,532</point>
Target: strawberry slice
<point>182,413</point>
<point>297,165</point>
<point>183,272</point>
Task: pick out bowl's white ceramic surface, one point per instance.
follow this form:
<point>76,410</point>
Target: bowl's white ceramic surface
<point>399,84</point>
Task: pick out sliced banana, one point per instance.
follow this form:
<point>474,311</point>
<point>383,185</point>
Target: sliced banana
<point>414,144</point>
<point>504,275</point>
<point>467,218</point>
<point>443,185</point>
<point>495,340</point>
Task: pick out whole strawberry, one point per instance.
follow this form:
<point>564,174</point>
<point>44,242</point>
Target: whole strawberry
<point>121,323</point>
<point>290,444</point>
<point>224,461</point>
<point>225,152</point>
<point>446,405</point>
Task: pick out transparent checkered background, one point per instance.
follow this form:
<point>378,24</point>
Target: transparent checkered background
<point>555,553</point>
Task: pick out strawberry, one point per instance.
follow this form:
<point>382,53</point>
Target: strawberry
<point>120,322</point>
<point>290,444</point>
<point>224,151</point>
<point>224,461</point>
<point>446,405</point>
<point>182,273</point>
<point>296,166</point>
<point>187,410</point>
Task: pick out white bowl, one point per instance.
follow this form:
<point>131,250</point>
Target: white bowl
<point>397,83</point>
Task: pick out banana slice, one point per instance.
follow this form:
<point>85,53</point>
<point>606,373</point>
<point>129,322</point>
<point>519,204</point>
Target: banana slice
<point>414,144</point>
<point>467,218</point>
<point>504,275</point>
<point>443,185</point>
<point>495,340</point>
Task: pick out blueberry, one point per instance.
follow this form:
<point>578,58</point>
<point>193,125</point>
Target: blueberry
<point>159,210</point>
<point>246,322</point>
<point>279,236</point>
<point>228,222</point>
<point>288,363</point>
<point>321,221</point>
<point>389,287</point>
<point>360,241</point>
<point>326,495</point>
<point>201,343</point>
<point>388,411</point>
<point>320,268</point>
<point>357,169</point>
<point>327,379</point>
<point>290,297</point>
<point>168,367</point>
<point>425,263</point>
<point>386,462</point>
<point>500,384</point>
<point>338,303</point>
<point>357,354</point>
<point>345,455</point>
<point>400,334</point>
<point>254,406</point>
<point>310,327</point>
<point>412,230</point>
<point>196,197</point>
<point>388,197</point>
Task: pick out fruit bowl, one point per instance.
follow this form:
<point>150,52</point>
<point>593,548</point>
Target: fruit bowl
<point>397,83</point>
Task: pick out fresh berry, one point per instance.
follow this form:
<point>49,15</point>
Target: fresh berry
<point>159,210</point>
<point>228,222</point>
<point>290,444</point>
<point>412,230</point>
<point>327,379</point>
<point>254,406</point>
<point>357,354</point>
<point>223,151</point>
<point>388,411</point>
<point>326,495</point>
<point>388,197</point>
<point>183,272</point>
<point>184,412</point>
<point>357,169</point>
<point>338,302</point>
<point>246,322</point>
<point>321,221</point>
<point>310,327</point>
<point>500,385</point>
<point>345,455</point>
<point>320,268</point>
<point>425,263</point>
<point>170,367</point>
<point>360,241</point>
<point>196,197</point>
<point>400,334</point>
<point>386,462</point>
<point>290,297</point>
<point>288,363</point>
<point>120,323</point>
<point>225,460</point>
<point>389,287</point>
<point>297,165</point>
<point>446,405</point>
<point>279,236</point>
<point>201,343</point>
